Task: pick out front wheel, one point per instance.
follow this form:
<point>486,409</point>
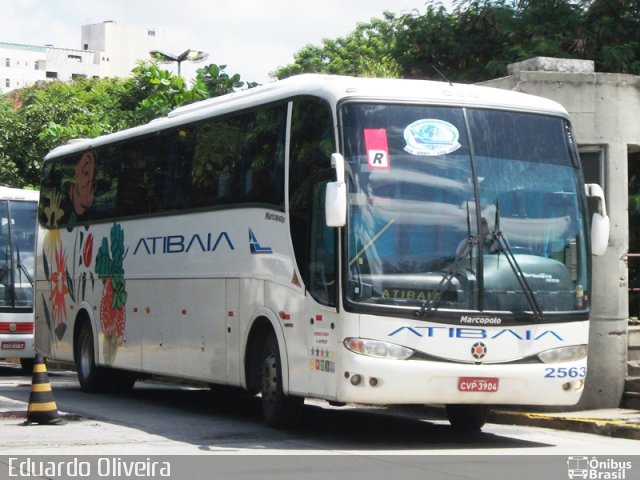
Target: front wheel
<point>279,410</point>
<point>467,417</point>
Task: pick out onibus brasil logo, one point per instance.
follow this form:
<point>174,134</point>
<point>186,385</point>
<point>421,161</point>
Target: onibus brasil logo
<point>596,469</point>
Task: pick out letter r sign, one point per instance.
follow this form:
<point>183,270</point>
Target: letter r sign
<point>375,140</point>
<point>378,159</point>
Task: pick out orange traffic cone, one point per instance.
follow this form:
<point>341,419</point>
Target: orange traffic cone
<point>42,407</point>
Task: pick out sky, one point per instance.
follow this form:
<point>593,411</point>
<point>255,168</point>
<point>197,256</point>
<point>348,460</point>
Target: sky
<point>251,37</point>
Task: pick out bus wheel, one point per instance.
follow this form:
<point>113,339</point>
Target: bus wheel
<point>467,417</point>
<point>89,374</point>
<point>279,410</point>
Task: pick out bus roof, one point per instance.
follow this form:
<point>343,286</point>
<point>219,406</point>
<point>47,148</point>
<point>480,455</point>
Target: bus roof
<point>334,89</point>
<point>8,193</point>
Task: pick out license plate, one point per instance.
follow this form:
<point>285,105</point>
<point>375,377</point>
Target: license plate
<point>12,345</point>
<point>478,384</point>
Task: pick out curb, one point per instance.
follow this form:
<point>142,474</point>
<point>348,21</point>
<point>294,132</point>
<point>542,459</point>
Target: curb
<point>598,426</point>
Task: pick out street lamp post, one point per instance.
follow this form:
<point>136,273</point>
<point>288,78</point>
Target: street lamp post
<point>189,55</point>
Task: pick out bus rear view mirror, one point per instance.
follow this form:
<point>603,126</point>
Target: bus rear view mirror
<point>600,224</point>
<point>335,200</point>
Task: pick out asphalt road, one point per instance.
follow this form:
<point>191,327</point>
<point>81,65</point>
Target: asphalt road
<point>164,421</point>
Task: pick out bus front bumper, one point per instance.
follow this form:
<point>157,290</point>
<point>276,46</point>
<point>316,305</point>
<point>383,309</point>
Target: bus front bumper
<point>379,381</point>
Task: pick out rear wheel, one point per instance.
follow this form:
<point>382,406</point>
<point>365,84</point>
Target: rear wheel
<point>93,378</point>
<point>279,410</point>
<point>467,417</point>
<point>89,374</point>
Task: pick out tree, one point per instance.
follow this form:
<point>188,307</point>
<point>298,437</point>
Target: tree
<point>48,114</point>
<point>613,38</point>
<point>217,82</point>
<point>367,51</point>
<point>36,119</point>
<point>479,38</point>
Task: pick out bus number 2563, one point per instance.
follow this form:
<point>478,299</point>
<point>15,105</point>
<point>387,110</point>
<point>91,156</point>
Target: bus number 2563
<point>563,372</point>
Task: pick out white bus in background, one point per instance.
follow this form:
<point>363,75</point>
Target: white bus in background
<point>352,240</point>
<point>18,227</point>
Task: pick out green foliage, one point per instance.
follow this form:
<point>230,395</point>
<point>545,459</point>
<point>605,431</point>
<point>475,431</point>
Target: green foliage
<point>36,119</point>
<point>367,51</point>
<point>473,42</point>
<point>214,81</point>
<point>479,38</point>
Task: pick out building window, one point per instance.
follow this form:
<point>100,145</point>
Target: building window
<point>151,33</point>
<point>51,74</point>
<point>7,83</point>
<point>75,58</point>
<point>7,62</point>
<point>86,46</point>
<point>592,160</point>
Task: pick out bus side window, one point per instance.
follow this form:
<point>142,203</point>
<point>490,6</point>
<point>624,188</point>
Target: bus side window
<point>312,143</point>
<point>322,282</point>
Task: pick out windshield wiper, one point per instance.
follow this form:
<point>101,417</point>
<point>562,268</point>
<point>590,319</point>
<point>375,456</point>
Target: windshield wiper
<point>21,267</point>
<point>432,303</point>
<point>503,245</point>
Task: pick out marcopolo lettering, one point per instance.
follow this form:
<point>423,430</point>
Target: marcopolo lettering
<point>274,217</point>
<point>470,333</point>
<point>480,320</point>
<point>168,244</point>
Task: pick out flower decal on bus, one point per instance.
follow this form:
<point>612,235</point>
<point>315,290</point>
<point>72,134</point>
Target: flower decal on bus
<point>59,280</point>
<point>54,263</point>
<point>53,212</point>
<point>110,269</point>
<point>87,250</point>
<point>81,192</point>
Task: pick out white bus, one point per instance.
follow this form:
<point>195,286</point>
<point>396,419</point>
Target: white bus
<point>352,240</point>
<point>18,226</point>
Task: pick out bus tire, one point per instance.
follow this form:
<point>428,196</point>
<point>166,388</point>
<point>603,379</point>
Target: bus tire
<point>467,417</point>
<point>279,410</point>
<point>90,375</point>
<point>95,379</point>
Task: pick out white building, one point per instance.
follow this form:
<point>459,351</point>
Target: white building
<point>119,47</point>
<point>20,65</point>
<point>108,49</point>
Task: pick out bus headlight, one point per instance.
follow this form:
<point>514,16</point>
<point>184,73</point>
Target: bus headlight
<point>564,354</point>
<point>376,348</point>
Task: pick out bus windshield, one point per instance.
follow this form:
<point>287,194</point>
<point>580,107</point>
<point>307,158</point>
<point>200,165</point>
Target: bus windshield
<point>455,208</point>
<point>17,253</point>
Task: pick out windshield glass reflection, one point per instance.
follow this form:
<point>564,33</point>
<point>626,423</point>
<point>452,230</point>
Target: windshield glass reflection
<point>418,197</point>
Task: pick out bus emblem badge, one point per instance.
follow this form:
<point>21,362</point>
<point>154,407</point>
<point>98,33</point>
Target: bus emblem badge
<point>255,246</point>
<point>479,350</point>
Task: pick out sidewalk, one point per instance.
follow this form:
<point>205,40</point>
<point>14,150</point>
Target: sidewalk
<point>613,422</point>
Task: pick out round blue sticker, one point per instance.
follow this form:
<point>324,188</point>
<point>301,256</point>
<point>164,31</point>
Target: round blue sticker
<point>431,137</point>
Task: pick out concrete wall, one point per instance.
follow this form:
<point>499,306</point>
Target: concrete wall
<point>604,109</point>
